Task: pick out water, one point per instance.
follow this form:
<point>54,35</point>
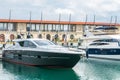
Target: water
<point>92,69</point>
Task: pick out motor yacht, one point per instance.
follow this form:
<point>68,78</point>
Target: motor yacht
<point>102,46</point>
<point>41,52</point>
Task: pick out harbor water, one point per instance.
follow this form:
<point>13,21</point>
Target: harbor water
<point>86,69</point>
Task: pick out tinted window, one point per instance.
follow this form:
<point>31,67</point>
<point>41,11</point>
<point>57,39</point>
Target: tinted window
<point>43,42</point>
<point>27,44</point>
<point>114,40</point>
<point>106,40</point>
<point>32,45</point>
<point>99,44</point>
<point>21,43</point>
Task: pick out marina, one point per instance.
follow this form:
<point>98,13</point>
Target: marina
<point>60,40</point>
<point>82,69</point>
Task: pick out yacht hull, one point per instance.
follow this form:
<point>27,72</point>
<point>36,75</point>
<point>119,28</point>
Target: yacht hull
<point>104,53</point>
<point>40,58</point>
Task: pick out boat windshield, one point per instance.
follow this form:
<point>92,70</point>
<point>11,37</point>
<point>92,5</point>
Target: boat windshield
<point>43,42</point>
<point>119,42</point>
<point>92,44</point>
<point>106,40</point>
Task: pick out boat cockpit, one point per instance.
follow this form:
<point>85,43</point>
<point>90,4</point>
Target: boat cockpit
<point>105,42</point>
<point>32,43</point>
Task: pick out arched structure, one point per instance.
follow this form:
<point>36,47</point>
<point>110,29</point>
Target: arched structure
<point>72,36</point>
<point>48,37</point>
<point>40,36</point>
<point>12,36</point>
<point>2,38</point>
<point>64,37</point>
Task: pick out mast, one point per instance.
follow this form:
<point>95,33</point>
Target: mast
<point>9,15</point>
<point>29,27</point>
<point>94,20</point>
<point>111,20</point>
<point>41,18</point>
<point>9,20</point>
<point>84,27</point>
<point>59,20</point>
<point>69,22</point>
<point>59,26</point>
<point>115,20</point>
<point>57,29</point>
<point>30,20</point>
<point>86,17</point>
<point>41,21</point>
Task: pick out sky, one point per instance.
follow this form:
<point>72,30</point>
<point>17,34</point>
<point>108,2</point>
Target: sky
<point>96,10</point>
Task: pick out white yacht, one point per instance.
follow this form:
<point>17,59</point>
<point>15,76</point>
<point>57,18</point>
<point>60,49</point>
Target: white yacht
<point>101,45</point>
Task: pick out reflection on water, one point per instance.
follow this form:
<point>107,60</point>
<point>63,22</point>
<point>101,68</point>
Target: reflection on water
<point>91,69</point>
<point>21,72</point>
<point>98,69</point>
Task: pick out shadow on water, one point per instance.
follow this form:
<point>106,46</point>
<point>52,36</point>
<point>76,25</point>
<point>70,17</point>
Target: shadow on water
<point>22,72</point>
<point>98,69</point>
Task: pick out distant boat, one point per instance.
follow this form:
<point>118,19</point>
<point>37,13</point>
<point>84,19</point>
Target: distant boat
<point>41,52</point>
<point>105,28</point>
